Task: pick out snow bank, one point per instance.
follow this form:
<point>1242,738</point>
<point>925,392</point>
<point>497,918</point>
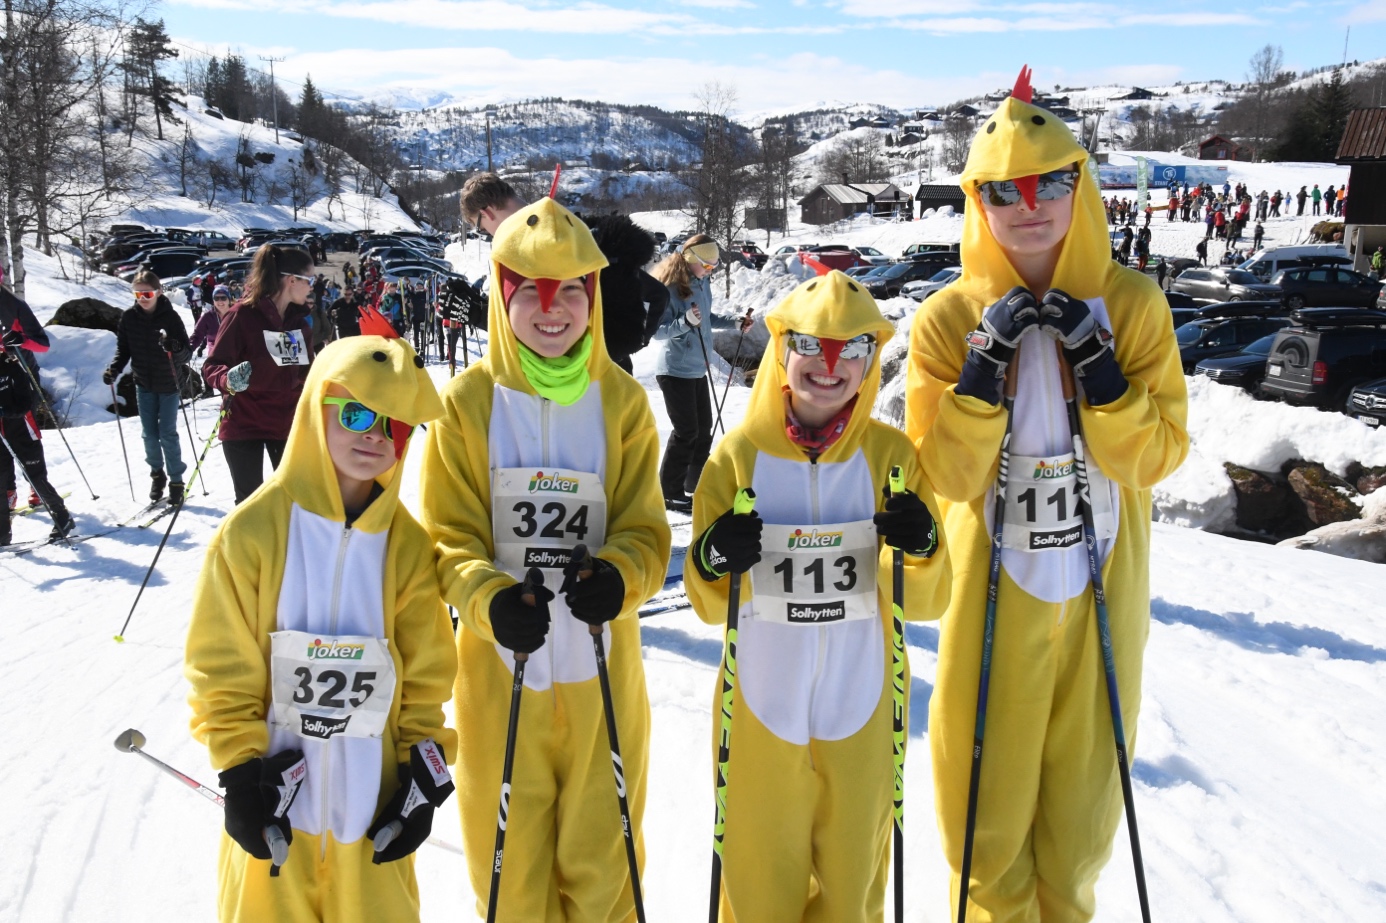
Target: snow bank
<point>71,373</point>
<point>1364,539</point>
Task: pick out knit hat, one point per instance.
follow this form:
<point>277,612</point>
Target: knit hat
<point>221,291</point>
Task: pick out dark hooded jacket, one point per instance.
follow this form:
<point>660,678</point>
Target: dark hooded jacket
<point>630,296</point>
<point>137,342</point>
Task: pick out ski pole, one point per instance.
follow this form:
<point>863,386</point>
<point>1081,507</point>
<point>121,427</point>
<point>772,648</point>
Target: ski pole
<point>115,406</point>
<point>744,504</point>
<point>988,632</point>
<point>1104,628</point>
<point>120,638</point>
<point>582,559</point>
<point>897,728</point>
<point>534,578</point>
<point>737,358</point>
<point>712,389</point>
<point>186,425</point>
<point>43,401</point>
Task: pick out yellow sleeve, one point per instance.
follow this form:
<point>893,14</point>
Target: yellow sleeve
<point>422,634</point>
<point>455,501</point>
<point>928,581</point>
<point>957,437</point>
<point>729,469</point>
<point>637,528</point>
<point>1140,438</point>
<point>227,655</point>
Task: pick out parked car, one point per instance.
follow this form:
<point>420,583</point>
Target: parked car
<point>923,288</point>
<point>1267,263</point>
<point>757,256</point>
<point>1245,369</point>
<point>1181,307</point>
<point>1316,286</point>
<point>165,265</point>
<point>134,261</point>
<point>1223,330</point>
<point>1218,285</point>
<point>212,240</point>
<point>1368,402</point>
<point>914,251</point>
<point>833,256</point>
<point>1324,354</point>
<point>887,281</point>
<point>857,272</point>
<point>871,255</point>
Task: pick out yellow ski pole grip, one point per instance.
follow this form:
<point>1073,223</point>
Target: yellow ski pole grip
<point>745,501</point>
<point>897,480</point>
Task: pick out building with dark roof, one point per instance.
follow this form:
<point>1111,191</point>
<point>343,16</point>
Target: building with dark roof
<point>1363,148</point>
<point>835,201</point>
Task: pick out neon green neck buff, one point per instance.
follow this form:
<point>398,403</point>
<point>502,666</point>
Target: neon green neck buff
<point>562,379</point>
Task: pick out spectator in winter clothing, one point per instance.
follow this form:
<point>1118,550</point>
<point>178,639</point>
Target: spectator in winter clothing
<point>1275,201</point>
<point>1161,270</point>
<point>346,314</point>
<point>1257,235</point>
<point>681,366</point>
<point>151,337</point>
<point>21,336</point>
<point>392,306</point>
<point>1300,198</point>
<point>1201,251</point>
<point>260,360</point>
<point>1342,201</point>
<point>1378,259</point>
<point>1317,197</point>
<point>208,325</point>
<point>633,301</point>
<point>418,316</point>
<point>487,200</point>
<point>320,323</point>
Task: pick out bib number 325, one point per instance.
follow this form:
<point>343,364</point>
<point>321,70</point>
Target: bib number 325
<point>329,685</point>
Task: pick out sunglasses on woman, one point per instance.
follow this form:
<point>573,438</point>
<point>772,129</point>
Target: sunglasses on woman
<point>1053,185</point>
<point>142,296</point>
<point>356,417</point>
<point>858,347</point>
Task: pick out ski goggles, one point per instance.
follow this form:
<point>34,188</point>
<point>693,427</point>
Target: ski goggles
<point>1049,186</point>
<point>858,347</point>
<point>704,254</point>
<point>356,417</point>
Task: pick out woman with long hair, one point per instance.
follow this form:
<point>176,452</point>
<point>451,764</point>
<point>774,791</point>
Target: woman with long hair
<point>260,360</point>
<point>681,366</point>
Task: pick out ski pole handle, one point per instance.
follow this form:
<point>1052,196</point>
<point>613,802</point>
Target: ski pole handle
<point>387,835</point>
<point>897,481</point>
<point>1065,374</point>
<point>534,577</point>
<point>582,558</point>
<point>278,846</point>
<point>745,502</point>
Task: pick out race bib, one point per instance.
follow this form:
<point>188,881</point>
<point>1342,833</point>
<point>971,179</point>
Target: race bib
<point>324,685</point>
<point>814,575</point>
<point>539,515</point>
<point>1044,507</point>
<point>287,347</point>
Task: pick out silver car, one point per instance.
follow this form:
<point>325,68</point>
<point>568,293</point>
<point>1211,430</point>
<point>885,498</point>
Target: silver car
<point>923,288</point>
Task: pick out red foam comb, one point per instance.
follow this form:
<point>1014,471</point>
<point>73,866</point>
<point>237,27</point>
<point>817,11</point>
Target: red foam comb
<point>374,324</point>
<point>1022,90</point>
<point>557,169</point>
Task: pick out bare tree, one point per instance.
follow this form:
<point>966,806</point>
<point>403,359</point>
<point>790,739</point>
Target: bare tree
<point>188,156</point>
<point>721,179</point>
<point>856,157</point>
<point>300,187</point>
<point>957,139</point>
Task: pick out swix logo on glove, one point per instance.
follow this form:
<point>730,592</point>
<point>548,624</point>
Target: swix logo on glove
<point>433,759</point>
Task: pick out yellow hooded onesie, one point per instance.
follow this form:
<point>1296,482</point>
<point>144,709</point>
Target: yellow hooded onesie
<point>285,574</point>
<point>810,781</point>
<point>1050,796</point>
<point>512,479</point>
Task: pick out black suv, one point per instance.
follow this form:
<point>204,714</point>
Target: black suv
<point>1326,285</point>
<point>1325,352</point>
<point>1368,402</point>
<point>887,280</point>
<point>1223,329</point>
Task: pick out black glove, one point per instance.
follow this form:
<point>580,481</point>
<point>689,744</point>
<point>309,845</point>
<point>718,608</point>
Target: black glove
<point>109,376</point>
<point>907,524</point>
<point>163,341</point>
<point>598,598</point>
<point>258,795</point>
<point>1087,346</point>
<point>992,345</point>
<point>424,784</point>
<point>13,338</point>
<point>518,626</point>
<point>730,545</point>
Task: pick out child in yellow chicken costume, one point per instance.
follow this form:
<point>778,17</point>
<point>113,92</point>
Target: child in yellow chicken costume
<point>810,780</point>
<point>545,444</point>
<point>1038,279</point>
<point>320,655</point>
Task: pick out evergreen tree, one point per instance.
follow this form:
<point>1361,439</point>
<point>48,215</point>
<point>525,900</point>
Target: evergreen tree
<point>1317,123</point>
<point>149,45</point>
<point>235,100</point>
<point>212,82</point>
<point>311,111</point>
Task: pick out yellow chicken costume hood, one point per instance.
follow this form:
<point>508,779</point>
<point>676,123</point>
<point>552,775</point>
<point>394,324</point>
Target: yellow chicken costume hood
<point>1019,142</point>
<point>545,242</point>
<point>832,307</point>
<point>384,374</point>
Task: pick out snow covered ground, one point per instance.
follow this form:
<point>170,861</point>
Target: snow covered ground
<point>1259,779</point>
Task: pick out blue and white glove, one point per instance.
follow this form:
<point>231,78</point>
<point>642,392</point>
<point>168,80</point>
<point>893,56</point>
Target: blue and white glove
<point>1087,346</point>
<point>238,379</point>
<point>992,345</point>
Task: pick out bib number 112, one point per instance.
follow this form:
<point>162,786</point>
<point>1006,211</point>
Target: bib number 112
<point>1029,498</point>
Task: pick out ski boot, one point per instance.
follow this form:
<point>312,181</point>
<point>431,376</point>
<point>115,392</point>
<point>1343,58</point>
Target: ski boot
<point>175,493</point>
<point>63,523</point>
<point>12,499</point>
<point>157,481</point>
<point>35,501</point>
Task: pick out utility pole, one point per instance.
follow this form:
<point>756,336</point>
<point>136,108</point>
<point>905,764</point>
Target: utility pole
<point>489,114</point>
<point>274,93</point>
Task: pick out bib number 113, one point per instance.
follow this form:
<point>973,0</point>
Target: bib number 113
<point>846,564</point>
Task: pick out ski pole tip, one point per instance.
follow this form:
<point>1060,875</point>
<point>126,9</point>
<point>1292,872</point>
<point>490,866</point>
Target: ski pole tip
<point>119,639</point>
<point>129,741</point>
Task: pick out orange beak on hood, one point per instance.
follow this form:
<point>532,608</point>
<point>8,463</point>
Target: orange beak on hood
<point>832,349</point>
<point>547,288</point>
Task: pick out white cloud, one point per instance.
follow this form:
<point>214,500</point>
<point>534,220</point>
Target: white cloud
<point>719,4</point>
<point>1372,11</point>
<point>493,74</point>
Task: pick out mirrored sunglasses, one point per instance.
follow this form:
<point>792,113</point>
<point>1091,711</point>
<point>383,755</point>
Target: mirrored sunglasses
<point>1053,185</point>
<point>858,347</point>
<point>356,417</point>
<point>143,295</point>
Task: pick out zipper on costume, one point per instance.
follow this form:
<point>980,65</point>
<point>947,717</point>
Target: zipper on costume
<point>332,629</point>
<point>544,405</point>
<point>813,489</point>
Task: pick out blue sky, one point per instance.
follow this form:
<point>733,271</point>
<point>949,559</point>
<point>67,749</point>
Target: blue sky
<point>775,54</point>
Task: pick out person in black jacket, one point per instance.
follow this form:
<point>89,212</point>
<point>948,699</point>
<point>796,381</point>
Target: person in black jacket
<point>20,337</point>
<point>346,313</point>
<point>632,299</point>
<point>152,338</point>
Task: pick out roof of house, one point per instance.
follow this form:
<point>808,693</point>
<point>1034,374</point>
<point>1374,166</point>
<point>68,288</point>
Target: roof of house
<point>1364,138</point>
<point>856,193</point>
